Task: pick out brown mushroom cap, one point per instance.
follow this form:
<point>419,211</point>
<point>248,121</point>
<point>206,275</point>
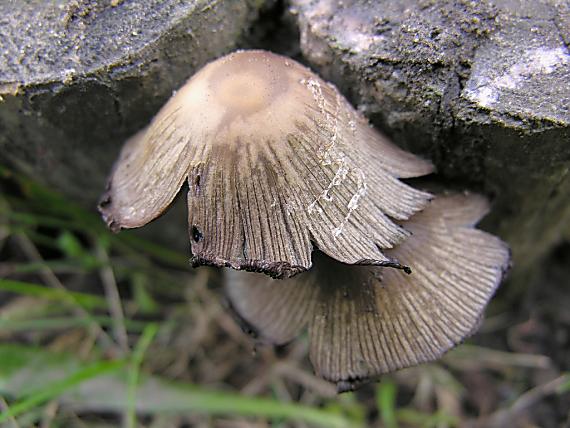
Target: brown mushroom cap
<point>277,161</point>
<point>365,320</point>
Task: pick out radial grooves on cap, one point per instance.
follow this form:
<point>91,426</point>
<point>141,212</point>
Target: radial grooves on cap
<point>147,176</point>
<point>283,162</point>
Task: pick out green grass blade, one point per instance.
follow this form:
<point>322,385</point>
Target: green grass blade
<point>565,387</point>
<point>58,388</point>
<point>21,366</point>
<point>134,370</point>
<point>219,403</point>
<point>61,323</point>
<point>386,397</point>
<point>426,420</point>
<point>85,300</point>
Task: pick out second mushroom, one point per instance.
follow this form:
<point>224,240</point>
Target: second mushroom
<point>283,173</point>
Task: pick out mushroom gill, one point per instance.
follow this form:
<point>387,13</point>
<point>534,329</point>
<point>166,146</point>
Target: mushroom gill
<point>367,320</point>
<point>277,162</point>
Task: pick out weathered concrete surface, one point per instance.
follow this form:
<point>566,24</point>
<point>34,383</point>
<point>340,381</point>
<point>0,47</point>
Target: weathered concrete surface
<point>482,90</point>
<point>78,77</point>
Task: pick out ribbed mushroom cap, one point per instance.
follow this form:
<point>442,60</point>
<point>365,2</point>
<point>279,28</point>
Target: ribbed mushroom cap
<point>365,320</point>
<point>276,160</point>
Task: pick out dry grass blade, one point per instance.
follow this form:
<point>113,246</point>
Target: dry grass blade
<point>52,280</point>
<point>113,297</point>
<point>5,409</point>
<point>525,402</point>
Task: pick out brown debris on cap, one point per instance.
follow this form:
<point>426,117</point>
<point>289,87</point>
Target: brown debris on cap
<point>276,161</point>
<point>364,320</point>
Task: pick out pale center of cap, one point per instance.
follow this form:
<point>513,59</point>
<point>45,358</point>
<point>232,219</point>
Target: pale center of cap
<point>245,92</point>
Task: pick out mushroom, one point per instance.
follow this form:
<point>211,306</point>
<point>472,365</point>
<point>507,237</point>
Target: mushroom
<point>367,320</point>
<point>277,163</point>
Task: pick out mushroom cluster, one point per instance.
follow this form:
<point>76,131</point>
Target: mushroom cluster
<point>284,176</point>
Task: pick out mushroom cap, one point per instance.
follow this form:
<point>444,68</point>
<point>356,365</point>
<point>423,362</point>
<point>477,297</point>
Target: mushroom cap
<point>367,320</point>
<point>277,161</point>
